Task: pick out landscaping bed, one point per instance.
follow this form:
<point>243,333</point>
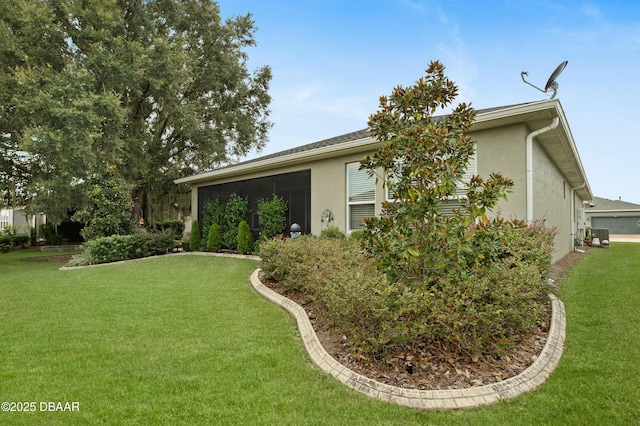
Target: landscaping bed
<point>425,368</point>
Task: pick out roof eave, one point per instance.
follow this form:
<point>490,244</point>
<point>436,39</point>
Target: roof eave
<point>571,165</point>
<point>358,145</point>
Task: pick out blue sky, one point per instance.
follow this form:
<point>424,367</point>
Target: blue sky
<point>333,59</point>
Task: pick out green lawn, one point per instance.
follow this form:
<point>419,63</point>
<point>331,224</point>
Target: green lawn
<point>186,340</point>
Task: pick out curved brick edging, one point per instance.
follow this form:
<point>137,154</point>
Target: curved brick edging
<point>528,380</point>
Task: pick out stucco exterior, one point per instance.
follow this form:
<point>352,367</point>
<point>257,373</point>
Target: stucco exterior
<point>559,182</point>
<point>498,151</point>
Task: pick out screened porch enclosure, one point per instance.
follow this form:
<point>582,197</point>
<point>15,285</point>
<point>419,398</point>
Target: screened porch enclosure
<point>294,188</point>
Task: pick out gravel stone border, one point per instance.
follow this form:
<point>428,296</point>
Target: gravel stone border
<point>530,379</point>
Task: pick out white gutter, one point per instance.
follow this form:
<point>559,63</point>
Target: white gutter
<point>529,160</point>
<point>573,211</point>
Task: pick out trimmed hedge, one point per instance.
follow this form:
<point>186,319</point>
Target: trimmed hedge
<point>8,241</point>
<point>124,247</point>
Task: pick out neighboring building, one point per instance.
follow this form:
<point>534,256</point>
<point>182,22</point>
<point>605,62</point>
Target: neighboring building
<point>19,219</point>
<point>530,143</point>
<point>619,217</point>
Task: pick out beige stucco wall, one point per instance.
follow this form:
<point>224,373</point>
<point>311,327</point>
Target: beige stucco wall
<point>503,150</point>
<point>552,199</point>
<point>329,190</point>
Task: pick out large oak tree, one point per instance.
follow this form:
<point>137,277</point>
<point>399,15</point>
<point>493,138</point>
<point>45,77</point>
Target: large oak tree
<point>158,88</point>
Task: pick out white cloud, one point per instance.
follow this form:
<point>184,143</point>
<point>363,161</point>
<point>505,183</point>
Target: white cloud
<point>591,11</point>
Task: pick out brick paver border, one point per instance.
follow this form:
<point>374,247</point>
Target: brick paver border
<point>528,380</point>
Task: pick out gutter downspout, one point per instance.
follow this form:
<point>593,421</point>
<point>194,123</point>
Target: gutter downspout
<point>529,160</point>
<point>573,212</point>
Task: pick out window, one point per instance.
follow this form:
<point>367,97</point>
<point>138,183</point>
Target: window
<point>4,220</point>
<point>361,196</point>
<point>472,170</point>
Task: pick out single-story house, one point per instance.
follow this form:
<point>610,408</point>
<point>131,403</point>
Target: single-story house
<point>530,143</point>
<point>619,217</point>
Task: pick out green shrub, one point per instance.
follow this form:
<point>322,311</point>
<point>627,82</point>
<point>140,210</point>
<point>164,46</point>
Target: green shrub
<point>175,227</point>
<point>50,235</point>
<point>235,211</point>
<point>9,239</point>
<point>213,213</point>
<point>153,244</point>
<point>272,217</point>
<point>5,240</point>
<point>281,258</point>
<point>84,258</point>
<point>109,205</point>
<point>478,311</point>
<point>245,239</point>
<point>357,235</point>
<point>8,231</point>
<point>124,247</point>
<point>20,240</point>
<point>332,232</point>
<point>214,238</point>
<point>194,238</point>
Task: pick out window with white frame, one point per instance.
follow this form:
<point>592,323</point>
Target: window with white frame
<point>4,220</point>
<point>361,196</point>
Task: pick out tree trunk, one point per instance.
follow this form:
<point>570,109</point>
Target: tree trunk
<point>140,211</point>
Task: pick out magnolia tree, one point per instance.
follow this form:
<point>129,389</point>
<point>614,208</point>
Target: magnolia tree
<point>424,159</point>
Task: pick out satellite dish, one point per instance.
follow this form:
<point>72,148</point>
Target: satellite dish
<point>551,82</point>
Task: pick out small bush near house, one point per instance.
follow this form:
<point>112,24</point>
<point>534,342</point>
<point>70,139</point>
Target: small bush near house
<point>357,235</point>
<point>5,244</point>
<point>245,239</point>
<point>332,232</point>
<point>9,238</point>
<point>20,240</point>
<point>213,213</point>
<point>214,238</point>
<point>272,217</point>
<point>235,211</point>
<point>124,247</point>
<point>195,237</point>
<point>175,227</point>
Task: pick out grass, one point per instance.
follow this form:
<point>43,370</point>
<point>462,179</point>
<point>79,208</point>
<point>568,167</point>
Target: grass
<point>186,340</point>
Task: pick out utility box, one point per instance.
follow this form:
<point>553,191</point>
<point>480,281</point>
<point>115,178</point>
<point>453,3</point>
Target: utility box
<point>602,235</point>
